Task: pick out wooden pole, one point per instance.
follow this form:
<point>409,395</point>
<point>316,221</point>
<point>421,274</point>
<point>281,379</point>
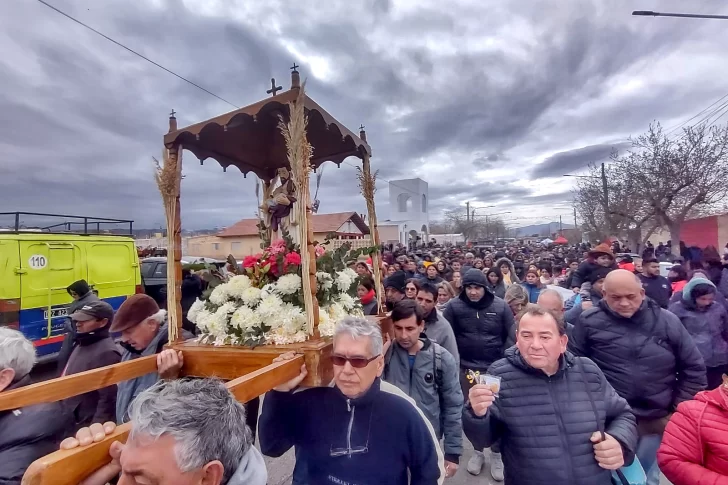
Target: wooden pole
<point>368,189</point>
<point>174,272</point>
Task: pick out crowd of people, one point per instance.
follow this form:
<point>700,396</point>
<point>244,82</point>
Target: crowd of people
<point>570,365</point>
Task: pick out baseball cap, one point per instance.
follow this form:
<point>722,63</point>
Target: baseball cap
<point>95,310</point>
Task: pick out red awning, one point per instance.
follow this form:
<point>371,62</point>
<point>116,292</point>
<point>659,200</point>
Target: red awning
<point>561,240</point>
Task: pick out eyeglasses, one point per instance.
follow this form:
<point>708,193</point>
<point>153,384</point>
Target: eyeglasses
<point>356,362</point>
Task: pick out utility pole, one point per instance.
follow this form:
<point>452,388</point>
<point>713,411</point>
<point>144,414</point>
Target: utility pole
<point>605,189</point>
<point>574,219</point>
<point>467,211</point>
<point>561,226</point>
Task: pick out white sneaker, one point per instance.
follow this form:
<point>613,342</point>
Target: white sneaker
<point>475,464</point>
<point>496,466</point>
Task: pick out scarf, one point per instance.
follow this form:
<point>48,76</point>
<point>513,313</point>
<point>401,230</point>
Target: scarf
<point>366,299</point>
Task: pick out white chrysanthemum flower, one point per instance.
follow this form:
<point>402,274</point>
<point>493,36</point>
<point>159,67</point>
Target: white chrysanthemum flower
<point>251,296</point>
<point>288,284</point>
<point>203,320</point>
<point>220,294</point>
<point>268,289</point>
<point>324,280</point>
<point>344,279</point>
<point>281,337</point>
<point>237,285</point>
<point>346,301</point>
<point>245,318</point>
<point>269,308</point>
<point>195,310</point>
<point>326,324</point>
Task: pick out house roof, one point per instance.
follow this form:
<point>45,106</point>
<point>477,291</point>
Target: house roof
<point>321,223</point>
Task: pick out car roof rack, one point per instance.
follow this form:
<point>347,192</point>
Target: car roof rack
<point>36,222</point>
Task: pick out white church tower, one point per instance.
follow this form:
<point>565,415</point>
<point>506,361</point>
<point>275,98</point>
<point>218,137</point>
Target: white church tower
<point>409,201</point>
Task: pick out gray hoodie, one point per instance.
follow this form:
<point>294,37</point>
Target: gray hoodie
<point>251,470</point>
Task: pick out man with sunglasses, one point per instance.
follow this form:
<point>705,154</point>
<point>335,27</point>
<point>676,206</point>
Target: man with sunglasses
<point>362,430</point>
<point>427,373</point>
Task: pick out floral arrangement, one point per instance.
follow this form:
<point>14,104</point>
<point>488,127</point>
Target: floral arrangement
<point>262,301</point>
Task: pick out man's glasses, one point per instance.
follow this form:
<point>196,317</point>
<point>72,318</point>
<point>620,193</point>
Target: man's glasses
<point>356,362</point>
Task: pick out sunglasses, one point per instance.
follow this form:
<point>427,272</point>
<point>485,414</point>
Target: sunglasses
<point>356,362</point>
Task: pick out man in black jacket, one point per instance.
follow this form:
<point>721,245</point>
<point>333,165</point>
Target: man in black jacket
<point>482,323</point>
<point>28,433</point>
<point>557,416</point>
<point>93,348</point>
<point>82,294</point>
<point>656,287</point>
<point>646,354</point>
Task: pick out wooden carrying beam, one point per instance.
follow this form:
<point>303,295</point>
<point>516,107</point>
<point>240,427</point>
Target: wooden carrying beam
<point>69,467</point>
<point>77,384</point>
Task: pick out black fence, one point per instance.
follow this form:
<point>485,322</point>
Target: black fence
<point>34,222</point>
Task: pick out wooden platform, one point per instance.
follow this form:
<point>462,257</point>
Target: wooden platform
<point>229,362</point>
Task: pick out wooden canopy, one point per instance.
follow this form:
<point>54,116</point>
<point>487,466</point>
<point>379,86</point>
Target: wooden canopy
<point>249,138</point>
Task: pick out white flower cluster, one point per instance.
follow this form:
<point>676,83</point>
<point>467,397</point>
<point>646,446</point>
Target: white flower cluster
<point>238,310</point>
<point>288,284</point>
<point>345,278</point>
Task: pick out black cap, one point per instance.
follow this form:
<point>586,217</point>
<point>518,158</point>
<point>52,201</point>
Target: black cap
<point>95,310</point>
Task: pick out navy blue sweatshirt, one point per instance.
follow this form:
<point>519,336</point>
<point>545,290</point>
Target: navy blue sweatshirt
<point>658,288</point>
<point>373,439</point>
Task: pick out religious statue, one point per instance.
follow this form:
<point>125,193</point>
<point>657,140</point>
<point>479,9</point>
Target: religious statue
<point>277,207</point>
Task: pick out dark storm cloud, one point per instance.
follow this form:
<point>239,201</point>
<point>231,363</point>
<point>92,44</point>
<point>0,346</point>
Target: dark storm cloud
<point>81,118</point>
<point>562,163</point>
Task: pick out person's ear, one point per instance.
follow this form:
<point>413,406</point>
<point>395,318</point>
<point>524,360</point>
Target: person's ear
<point>380,366</point>
<point>212,473</point>
<point>6,378</point>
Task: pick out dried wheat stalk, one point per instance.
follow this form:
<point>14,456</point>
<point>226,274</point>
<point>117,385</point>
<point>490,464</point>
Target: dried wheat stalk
<point>169,178</point>
<point>368,187</point>
<point>299,152</point>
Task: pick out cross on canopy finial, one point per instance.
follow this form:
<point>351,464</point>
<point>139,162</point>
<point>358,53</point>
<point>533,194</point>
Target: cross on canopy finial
<point>171,115</point>
<point>294,68</point>
<point>273,88</point>
<point>361,128</point>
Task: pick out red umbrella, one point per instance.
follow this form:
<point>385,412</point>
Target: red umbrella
<point>561,240</point>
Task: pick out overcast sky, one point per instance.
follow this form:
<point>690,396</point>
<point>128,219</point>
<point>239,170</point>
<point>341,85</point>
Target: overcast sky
<point>488,101</point>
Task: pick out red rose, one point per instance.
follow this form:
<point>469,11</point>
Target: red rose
<point>250,261</point>
<point>292,258</point>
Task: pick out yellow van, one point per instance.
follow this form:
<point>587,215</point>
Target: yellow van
<point>37,267</point>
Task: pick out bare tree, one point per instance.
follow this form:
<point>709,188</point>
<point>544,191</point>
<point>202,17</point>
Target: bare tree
<point>440,227</point>
<point>679,178</point>
<point>461,223</point>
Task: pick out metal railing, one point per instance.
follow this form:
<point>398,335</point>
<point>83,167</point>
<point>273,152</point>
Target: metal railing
<point>66,224</point>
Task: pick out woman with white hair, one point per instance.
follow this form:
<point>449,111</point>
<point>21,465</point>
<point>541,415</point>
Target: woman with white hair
<point>28,433</point>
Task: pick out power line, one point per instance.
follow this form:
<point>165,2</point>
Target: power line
<point>136,53</point>
<point>674,128</point>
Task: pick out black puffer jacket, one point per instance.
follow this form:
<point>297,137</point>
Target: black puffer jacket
<point>545,423</point>
<point>650,359</point>
<point>481,328</point>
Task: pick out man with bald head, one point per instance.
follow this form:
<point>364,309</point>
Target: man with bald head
<point>646,354</point>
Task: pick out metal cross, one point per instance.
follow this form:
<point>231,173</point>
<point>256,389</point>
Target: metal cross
<point>361,128</point>
<point>273,88</point>
<point>295,67</point>
<point>172,113</point>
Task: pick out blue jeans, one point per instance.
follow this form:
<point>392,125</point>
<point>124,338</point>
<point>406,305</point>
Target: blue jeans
<point>647,453</point>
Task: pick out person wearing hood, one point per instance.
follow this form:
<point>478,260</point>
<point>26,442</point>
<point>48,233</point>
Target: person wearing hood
<point>495,281</point>
<point>482,324</point>
<point>93,348</point>
<point>508,271</point>
<point>694,448</point>
<point>707,322</point>
<point>444,270</point>
<point>646,354</point>
<point>559,418</point>
<point>169,443</point>
<point>81,293</point>
<point>678,278</point>
<point>143,328</point>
